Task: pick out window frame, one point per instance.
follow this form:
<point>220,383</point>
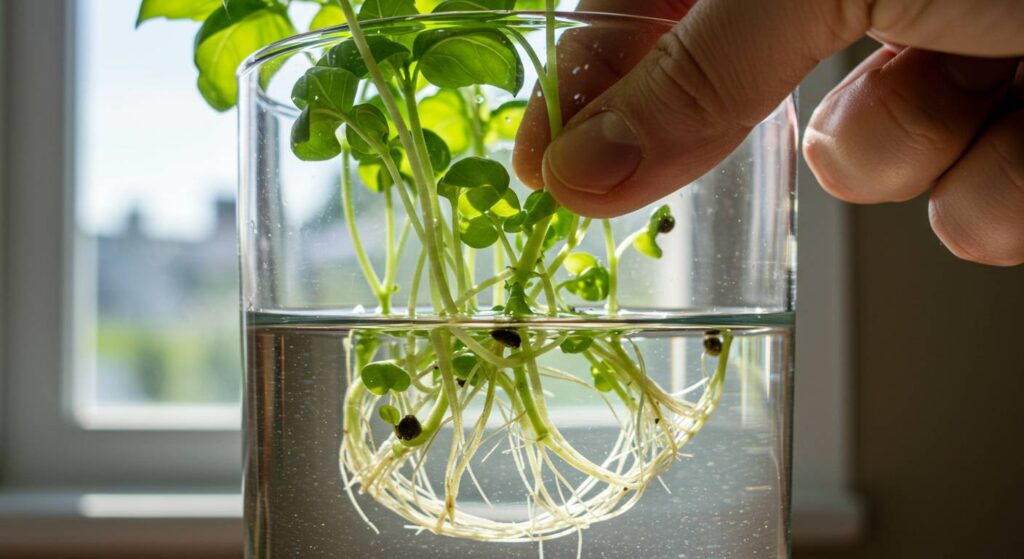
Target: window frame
<point>40,433</point>
<point>47,461</point>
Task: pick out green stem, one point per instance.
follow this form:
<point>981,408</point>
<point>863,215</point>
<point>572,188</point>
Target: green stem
<point>391,251</point>
<point>414,287</point>
<point>613,268</point>
<point>424,186</point>
<point>353,231</point>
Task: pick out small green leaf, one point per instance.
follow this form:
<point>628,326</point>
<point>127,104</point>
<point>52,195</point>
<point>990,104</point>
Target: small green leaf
<point>379,9</point>
<point>438,152</point>
<point>484,183</point>
<point>646,245</point>
<point>478,232</point>
<point>227,37</point>
<point>577,262</point>
<point>426,6</point>
<point>660,222</point>
<point>459,58</point>
<point>474,5</point>
<point>366,120</point>
<point>515,223</point>
<point>602,381</point>
<point>382,376</point>
<point>330,15</point>
<point>389,414</point>
<point>314,136</point>
<point>505,121</point>
<point>590,285</point>
<point>478,172</point>
<point>176,9</point>
<point>539,205</point>
<point>324,95</point>
<point>388,54</point>
<point>463,367</point>
<point>445,114</point>
<point>507,206</point>
<point>576,343</point>
<point>331,89</point>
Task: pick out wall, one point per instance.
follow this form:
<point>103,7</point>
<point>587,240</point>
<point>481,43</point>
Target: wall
<point>938,377</point>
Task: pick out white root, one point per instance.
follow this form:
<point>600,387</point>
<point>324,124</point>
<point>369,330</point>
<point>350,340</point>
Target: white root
<point>648,443</point>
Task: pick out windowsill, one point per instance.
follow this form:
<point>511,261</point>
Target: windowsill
<point>195,522</point>
<point>73,524</point>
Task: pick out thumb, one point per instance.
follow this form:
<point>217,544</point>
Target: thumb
<point>692,100</point>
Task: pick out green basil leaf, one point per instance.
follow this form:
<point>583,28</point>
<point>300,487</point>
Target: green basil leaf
<point>515,223</point>
<point>389,414</point>
<point>505,121</point>
<point>176,9</point>
<point>459,58</point>
<point>330,15</point>
<point>474,5</point>
<point>602,381</point>
<point>477,172</point>
<point>463,367</point>
<point>438,152</point>
<point>539,205</point>
<point>660,222</point>
<point>507,206</point>
<point>646,245</point>
<point>577,262</point>
<point>229,35</point>
<point>382,376</point>
<point>380,9</point>
<point>314,135</point>
<point>332,89</point>
<point>591,285</point>
<point>388,54</point>
<point>371,122</point>
<point>478,232</point>
<point>577,343</point>
<point>445,114</point>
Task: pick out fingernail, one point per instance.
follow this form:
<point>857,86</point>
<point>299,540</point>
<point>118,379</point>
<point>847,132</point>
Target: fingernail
<point>596,156</point>
<point>979,75</point>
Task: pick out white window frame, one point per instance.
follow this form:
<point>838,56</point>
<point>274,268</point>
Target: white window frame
<point>51,468</point>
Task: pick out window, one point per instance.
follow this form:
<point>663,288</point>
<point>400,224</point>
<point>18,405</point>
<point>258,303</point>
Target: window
<point>117,251</point>
<point>154,292</point>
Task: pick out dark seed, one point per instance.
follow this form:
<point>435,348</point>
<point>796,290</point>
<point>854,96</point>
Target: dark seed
<point>507,337</point>
<point>408,428</point>
<point>657,420</point>
<point>666,224</point>
<point>712,343</point>
<point>461,382</point>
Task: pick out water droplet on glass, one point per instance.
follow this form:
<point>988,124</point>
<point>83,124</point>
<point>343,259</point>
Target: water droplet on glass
<point>480,99</point>
<point>576,70</point>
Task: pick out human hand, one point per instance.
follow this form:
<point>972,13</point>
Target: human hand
<point>944,114</point>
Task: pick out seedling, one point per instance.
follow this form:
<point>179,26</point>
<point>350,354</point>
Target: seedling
<point>403,107</point>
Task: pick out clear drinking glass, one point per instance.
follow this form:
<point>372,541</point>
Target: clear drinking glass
<point>666,407</point>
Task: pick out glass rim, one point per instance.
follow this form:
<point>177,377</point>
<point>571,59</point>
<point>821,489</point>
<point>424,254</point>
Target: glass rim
<point>317,37</point>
